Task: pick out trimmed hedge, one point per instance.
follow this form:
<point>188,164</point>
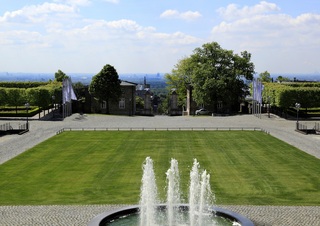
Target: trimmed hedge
<point>39,94</point>
<point>23,85</point>
<point>21,113</point>
<point>285,95</point>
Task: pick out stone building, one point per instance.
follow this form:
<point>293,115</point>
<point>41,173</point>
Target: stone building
<point>126,105</point>
<point>127,102</point>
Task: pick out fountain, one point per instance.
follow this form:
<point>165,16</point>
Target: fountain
<point>198,212</point>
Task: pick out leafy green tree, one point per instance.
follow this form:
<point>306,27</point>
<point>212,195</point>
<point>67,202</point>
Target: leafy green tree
<point>216,75</point>
<point>45,98</point>
<point>80,91</point>
<point>3,97</point>
<point>180,78</point>
<point>283,79</point>
<point>56,91</point>
<point>60,75</point>
<point>265,77</point>
<point>40,96</point>
<point>105,86</point>
<point>139,102</point>
<point>16,97</point>
<point>164,106</point>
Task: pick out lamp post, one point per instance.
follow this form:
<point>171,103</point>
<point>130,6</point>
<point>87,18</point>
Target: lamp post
<point>27,105</point>
<point>297,105</point>
<point>268,106</point>
<point>53,105</point>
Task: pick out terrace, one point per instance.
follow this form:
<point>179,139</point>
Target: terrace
<point>40,131</point>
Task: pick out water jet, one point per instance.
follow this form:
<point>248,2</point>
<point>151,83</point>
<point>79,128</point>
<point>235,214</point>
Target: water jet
<point>199,211</point>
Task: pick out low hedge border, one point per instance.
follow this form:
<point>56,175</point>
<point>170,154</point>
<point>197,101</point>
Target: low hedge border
<point>20,113</point>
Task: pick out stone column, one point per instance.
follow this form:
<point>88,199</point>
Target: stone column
<point>174,103</point>
<point>191,105</point>
<point>147,103</point>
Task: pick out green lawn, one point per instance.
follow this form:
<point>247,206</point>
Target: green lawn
<point>105,167</point>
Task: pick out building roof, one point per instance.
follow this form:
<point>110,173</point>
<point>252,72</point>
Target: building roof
<point>126,83</point>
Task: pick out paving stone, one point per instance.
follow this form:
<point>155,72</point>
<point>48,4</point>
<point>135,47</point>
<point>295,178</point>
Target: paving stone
<point>81,215</point>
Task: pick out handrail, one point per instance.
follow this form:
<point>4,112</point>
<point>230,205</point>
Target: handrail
<point>162,129</point>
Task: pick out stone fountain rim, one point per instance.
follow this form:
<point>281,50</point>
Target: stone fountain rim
<point>100,219</point>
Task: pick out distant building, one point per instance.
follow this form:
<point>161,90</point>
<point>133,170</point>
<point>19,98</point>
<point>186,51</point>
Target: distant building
<point>143,91</point>
<point>127,101</point>
<point>126,105</point>
<point>143,88</point>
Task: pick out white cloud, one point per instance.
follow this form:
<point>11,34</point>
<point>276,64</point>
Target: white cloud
<point>75,2</point>
<point>59,24</point>
<point>36,13</point>
<point>175,14</point>
<point>123,24</point>
<point>277,41</point>
<point>10,37</point>
<point>112,1</point>
<point>170,13</point>
<point>56,36</point>
<point>233,11</point>
<point>177,38</point>
<point>273,30</point>
<point>129,31</point>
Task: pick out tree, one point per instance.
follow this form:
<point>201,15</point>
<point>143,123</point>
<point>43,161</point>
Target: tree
<point>16,97</point>
<point>80,91</point>
<point>60,75</point>
<point>139,102</point>
<point>105,86</point>
<point>164,106</point>
<point>265,77</point>
<point>216,75</point>
<point>283,79</point>
<point>180,78</point>
<point>39,96</point>
<point>3,97</point>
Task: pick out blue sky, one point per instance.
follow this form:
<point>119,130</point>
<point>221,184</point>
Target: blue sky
<point>144,36</point>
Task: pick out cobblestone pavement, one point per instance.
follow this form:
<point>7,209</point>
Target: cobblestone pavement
<point>81,215</point>
<point>41,130</point>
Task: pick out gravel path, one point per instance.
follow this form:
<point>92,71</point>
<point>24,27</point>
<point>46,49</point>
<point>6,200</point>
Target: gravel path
<point>40,130</point>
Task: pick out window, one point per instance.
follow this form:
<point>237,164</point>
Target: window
<point>104,105</point>
<point>122,104</point>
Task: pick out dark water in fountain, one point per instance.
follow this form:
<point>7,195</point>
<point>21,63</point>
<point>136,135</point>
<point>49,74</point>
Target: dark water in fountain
<point>133,220</point>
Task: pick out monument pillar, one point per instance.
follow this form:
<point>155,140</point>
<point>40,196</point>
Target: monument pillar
<point>147,103</point>
<point>174,103</point>
<point>191,105</point>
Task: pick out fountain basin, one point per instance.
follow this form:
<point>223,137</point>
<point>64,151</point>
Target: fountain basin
<point>104,218</point>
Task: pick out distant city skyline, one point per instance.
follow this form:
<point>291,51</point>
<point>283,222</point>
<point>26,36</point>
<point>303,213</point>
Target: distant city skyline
<point>81,36</point>
<point>86,78</point>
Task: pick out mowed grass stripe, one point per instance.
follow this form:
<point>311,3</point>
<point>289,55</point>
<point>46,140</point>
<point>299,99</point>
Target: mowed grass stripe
<point>105,167</point>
